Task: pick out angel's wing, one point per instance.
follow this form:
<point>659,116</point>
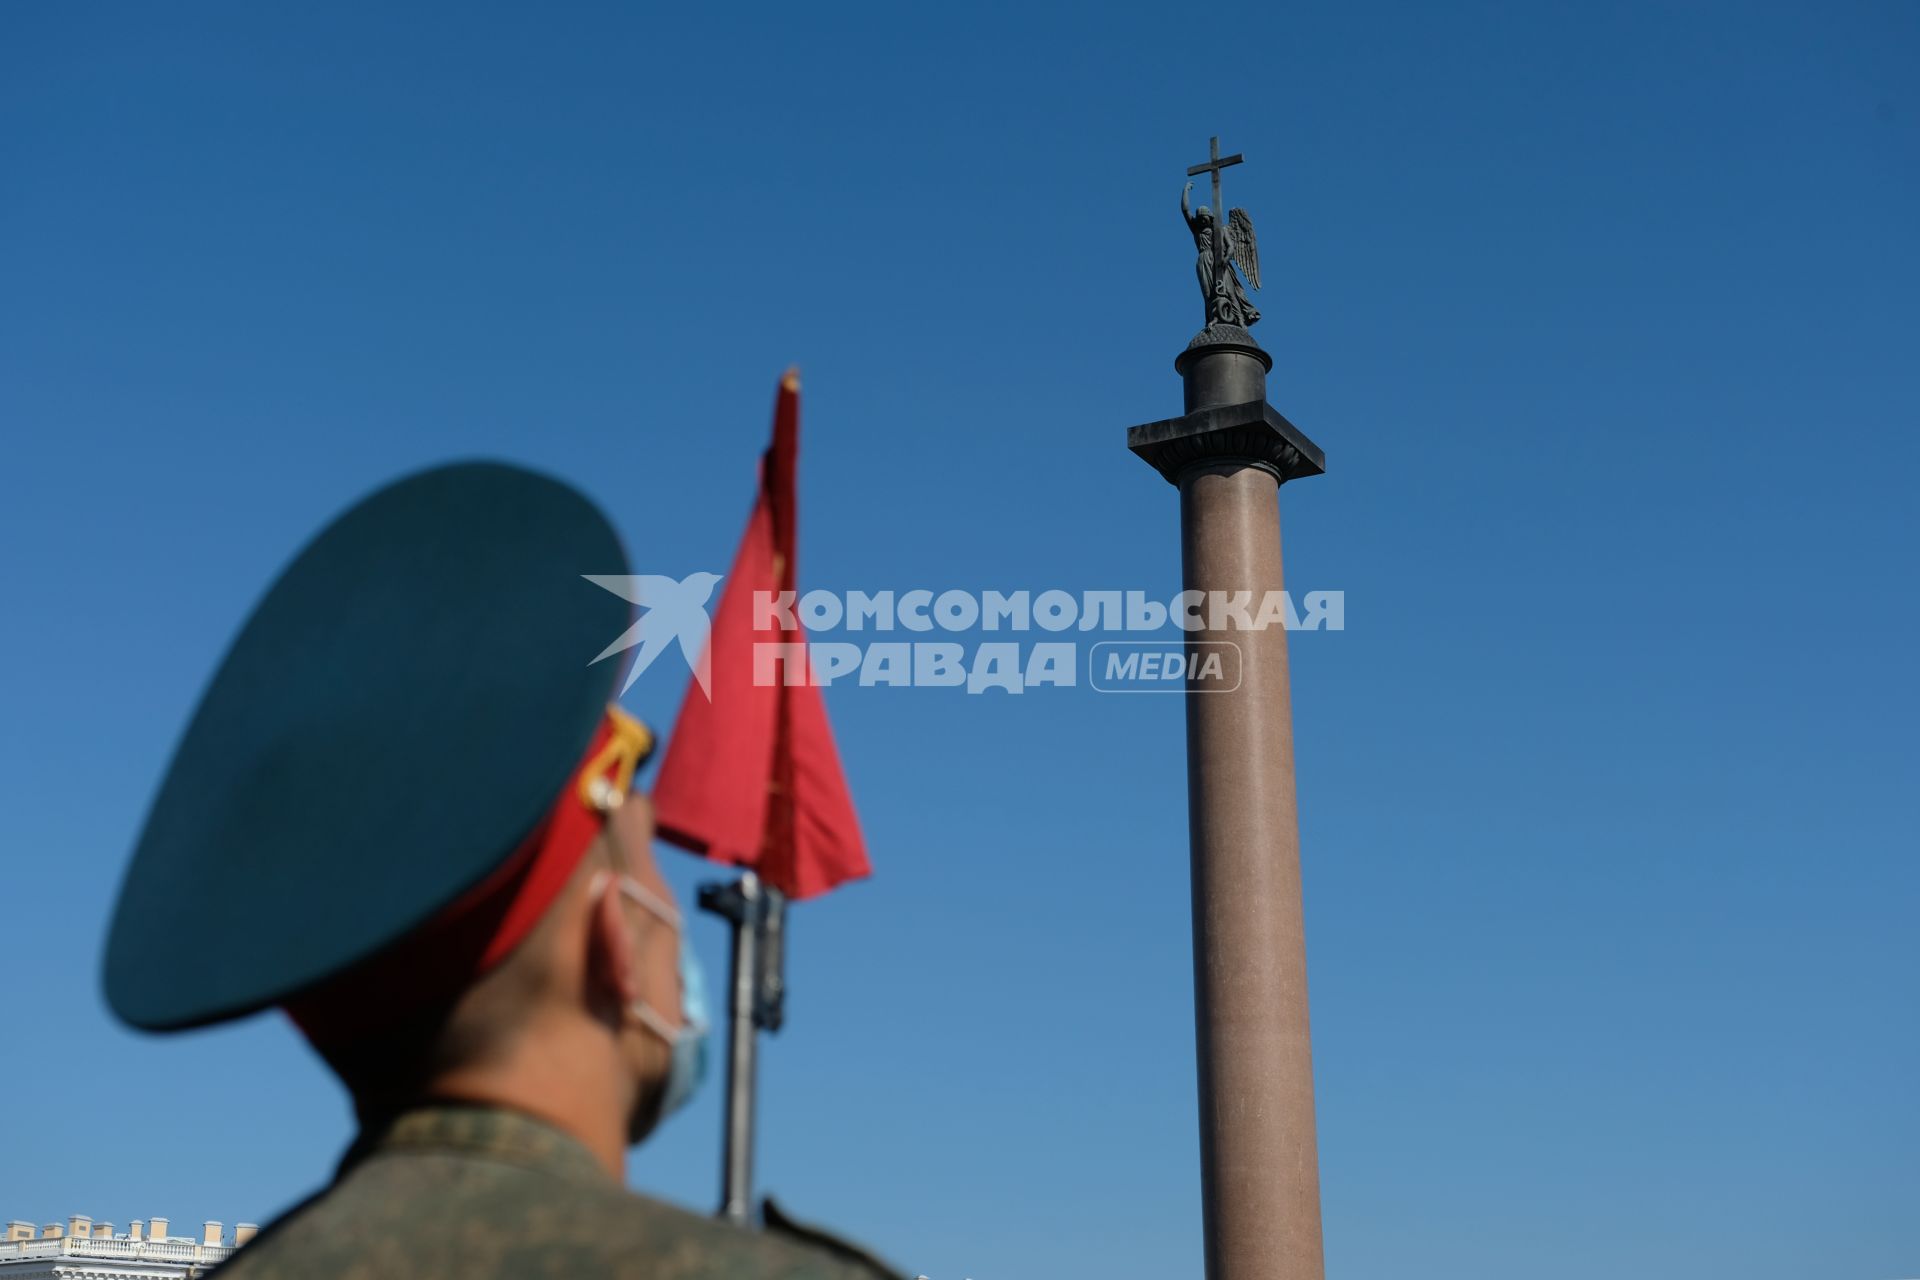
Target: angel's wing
<point>1241,247</point>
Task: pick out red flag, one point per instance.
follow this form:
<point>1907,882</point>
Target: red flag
<point>751,776</point>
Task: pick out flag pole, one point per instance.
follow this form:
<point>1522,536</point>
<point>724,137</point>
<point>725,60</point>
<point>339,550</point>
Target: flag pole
<point>756,913</point>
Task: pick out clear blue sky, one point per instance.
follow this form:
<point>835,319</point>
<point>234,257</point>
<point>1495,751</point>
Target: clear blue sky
<point>1605,316</point>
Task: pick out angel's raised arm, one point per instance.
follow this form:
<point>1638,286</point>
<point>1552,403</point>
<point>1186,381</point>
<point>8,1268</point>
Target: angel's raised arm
<point>1185,212</point>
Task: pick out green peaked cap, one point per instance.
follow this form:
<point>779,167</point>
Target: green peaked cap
<point>394,719</point>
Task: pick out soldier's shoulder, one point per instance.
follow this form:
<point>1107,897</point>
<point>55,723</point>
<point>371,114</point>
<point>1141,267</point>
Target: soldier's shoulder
<point>477,1219</point>
<point>863,1260</point>
<point>695,1245</point>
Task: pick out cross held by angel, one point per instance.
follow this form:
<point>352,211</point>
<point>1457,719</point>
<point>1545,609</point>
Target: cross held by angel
<point>1221,250</point>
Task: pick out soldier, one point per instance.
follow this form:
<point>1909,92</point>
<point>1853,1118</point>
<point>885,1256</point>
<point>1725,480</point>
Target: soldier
<point>402,813</point>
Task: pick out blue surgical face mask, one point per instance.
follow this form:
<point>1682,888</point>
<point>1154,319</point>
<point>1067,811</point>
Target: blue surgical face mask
<point>688,1041</point>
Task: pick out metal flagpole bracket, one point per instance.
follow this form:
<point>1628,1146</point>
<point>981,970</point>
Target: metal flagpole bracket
<point>756,1001</point>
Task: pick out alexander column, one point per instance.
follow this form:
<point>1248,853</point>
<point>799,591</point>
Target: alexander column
<point>1229,453</point>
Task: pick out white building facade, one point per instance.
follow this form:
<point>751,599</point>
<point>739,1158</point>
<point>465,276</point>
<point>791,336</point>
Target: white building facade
<point>82,1249</point>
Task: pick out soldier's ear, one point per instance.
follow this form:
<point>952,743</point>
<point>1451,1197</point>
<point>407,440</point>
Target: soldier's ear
<point>613,961</point>
<point>631,827</point>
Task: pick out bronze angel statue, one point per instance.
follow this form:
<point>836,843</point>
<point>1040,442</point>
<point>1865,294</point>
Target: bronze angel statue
<point>1226,300</point>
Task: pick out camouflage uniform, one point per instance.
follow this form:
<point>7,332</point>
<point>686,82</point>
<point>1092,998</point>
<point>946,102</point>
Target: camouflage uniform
<point>473,1193</point>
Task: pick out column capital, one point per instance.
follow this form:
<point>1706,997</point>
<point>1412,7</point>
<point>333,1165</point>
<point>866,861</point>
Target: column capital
<point>1252,432</point>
